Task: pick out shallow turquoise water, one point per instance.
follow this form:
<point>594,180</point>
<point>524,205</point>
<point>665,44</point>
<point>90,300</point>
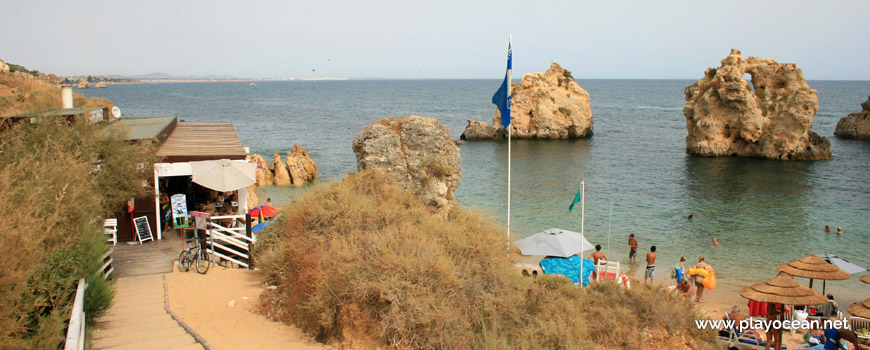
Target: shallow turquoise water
<point>764,212</point>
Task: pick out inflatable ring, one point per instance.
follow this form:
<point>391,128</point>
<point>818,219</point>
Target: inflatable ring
<point>708,274</point>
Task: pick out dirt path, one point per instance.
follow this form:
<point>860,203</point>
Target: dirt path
<point>202,301</point>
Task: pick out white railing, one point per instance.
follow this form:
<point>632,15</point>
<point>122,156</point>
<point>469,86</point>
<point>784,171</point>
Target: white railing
<point>75,334</point>
<point>232,240</point>
<point>107,263</point>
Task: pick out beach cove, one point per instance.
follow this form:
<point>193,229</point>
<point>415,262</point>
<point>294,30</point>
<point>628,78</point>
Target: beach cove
<point>764,212</point>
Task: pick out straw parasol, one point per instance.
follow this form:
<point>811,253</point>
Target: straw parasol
<point>782,289</point>
<point>813,267</point>
<point>860,309</point>
<point>865,279</point>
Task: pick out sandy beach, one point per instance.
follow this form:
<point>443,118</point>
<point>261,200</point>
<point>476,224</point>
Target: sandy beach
<point>222,306</point>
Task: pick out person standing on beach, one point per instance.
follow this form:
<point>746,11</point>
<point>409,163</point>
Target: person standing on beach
<point>699,280</point>
<point>632,252</point>
<point>650,264</point>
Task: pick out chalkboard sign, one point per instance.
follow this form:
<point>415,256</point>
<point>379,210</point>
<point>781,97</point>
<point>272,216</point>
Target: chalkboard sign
<point>143,230</point>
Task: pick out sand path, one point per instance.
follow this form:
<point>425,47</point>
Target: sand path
<point>202,301</point>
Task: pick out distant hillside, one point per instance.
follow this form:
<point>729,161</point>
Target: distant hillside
<point>23,90</point>
<point>170,76</point>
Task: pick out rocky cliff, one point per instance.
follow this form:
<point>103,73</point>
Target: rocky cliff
<point>4,68</point>
<point>549,105</point>
<point>416,150</point>
<point>771,118</point>
<point>855,125</point>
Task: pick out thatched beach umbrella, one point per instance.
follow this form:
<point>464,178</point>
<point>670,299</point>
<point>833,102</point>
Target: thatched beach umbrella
<point>813,267</point>
<point>782,289</point>
<point>865,279</point>
<point>860,309</point>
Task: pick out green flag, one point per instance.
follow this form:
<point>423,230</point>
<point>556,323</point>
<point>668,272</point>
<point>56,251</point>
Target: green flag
<point>576,199</point>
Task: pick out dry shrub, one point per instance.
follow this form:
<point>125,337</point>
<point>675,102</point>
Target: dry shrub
<point>363,264</point>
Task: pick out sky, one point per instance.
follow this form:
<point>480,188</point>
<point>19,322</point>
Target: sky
<point>409,39</point>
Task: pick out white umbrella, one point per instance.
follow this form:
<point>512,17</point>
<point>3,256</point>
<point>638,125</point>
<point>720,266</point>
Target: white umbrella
<point>224,174</point>
<point>554,242</point>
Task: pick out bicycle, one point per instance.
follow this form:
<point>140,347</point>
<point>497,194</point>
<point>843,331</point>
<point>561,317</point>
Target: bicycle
<point>196,256</point>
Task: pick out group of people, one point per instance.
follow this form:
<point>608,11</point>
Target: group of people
<point>839,229</point>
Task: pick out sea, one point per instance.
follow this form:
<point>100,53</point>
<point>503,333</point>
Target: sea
<point>638,176</point>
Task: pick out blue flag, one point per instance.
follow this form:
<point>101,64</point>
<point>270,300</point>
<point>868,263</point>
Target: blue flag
<point>502,97</point>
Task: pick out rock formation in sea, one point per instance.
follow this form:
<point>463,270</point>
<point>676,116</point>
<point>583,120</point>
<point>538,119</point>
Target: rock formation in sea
<point>418,151</point>
<point>264,175</point>
<point>282,176</point>
<point>855,125</point>
<point>771,118</point>
<point>549,105</point>
<point>253,200</point>
<point>301,167</point>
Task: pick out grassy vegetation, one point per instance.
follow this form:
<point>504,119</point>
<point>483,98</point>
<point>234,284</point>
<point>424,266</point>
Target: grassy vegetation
<point>58,181</point>
<point>565,110</point>
<point>363,263</point>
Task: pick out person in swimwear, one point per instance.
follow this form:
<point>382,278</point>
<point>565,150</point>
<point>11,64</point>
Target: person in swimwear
<point>650,264</point>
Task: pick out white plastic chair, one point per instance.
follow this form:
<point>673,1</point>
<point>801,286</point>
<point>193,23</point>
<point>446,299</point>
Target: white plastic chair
<point>110,228</point>
<point>608,268</point>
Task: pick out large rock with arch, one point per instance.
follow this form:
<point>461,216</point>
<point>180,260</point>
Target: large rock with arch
<point>769,118</point>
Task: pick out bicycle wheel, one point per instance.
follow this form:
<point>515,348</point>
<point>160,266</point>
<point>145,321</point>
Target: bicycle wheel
<point>202,262</point>
<point>184,261</point>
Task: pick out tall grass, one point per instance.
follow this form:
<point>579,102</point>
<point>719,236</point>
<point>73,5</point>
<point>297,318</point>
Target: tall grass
<point>361,263</point>
<point>58,181</point>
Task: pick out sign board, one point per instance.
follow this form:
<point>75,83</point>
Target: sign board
<point>131,205</point>
<point>179,211</point>
<point>116,112</point>
<point>143,229</point>
<point>200,219</point>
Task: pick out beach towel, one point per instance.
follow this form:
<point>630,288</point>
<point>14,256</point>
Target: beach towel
<point>569,267</point>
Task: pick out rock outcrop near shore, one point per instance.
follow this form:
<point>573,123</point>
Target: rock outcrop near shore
<point>4,68</point>
<point>549,105</point>
<point>416,150</point>
<point>299,169</point>
<point>302,168</point>
<point>855,125</point>
<point>725,116</point>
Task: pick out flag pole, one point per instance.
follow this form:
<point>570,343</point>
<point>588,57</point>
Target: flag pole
<point>508,78</point>
<point>609,226</point>
<point>582,222</point>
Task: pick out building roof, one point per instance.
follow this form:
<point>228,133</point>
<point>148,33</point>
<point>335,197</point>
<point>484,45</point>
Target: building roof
<point>202,141</point>
<point>155,129</point>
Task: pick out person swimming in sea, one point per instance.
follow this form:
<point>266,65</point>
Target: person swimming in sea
<point>827,228</point>
<point>690,217</point>
<point>839,230</point>
<point>715,241</point>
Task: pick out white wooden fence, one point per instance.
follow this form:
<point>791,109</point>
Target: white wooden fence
<point>230,242</point>
<point>75,334</point>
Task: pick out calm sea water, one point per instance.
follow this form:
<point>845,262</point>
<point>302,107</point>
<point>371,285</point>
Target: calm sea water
<point>764,212</point>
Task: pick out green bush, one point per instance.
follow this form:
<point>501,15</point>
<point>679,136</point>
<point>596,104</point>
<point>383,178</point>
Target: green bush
<point>565,110</point>
<point>53,200</point>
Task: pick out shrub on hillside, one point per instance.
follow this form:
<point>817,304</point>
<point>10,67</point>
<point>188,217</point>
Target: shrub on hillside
<point>362,263</point>
<point>58,181</point>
